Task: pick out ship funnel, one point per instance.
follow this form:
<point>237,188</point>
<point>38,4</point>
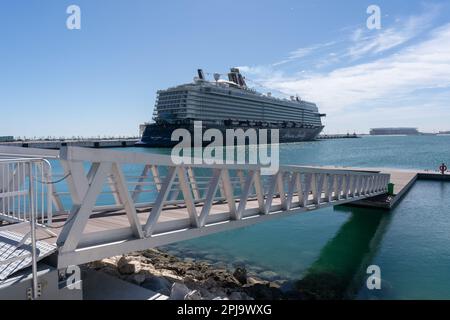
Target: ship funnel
<point>236,77</point>
<point>241,80</point>
<point>232,77</point>
<point>201,75</point>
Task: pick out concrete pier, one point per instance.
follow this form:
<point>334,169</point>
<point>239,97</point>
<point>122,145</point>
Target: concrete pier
<point>88,143</point>
<point>337,136</point>
<point>403,180</point>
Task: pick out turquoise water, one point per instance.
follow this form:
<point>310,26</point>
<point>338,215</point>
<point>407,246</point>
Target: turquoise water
<point>414,252</point>
<point>332,247</point>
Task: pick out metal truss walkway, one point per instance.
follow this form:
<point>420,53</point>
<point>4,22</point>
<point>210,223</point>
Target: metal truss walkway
<point>104,203</point>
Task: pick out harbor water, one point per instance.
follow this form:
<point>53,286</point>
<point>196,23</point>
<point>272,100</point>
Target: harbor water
<point>332,247</point>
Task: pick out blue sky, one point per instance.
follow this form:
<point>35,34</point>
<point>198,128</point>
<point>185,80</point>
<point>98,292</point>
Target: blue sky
<point>102,79</point>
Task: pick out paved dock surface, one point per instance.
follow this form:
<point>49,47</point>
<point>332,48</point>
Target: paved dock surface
<point>101,286</point>
<point>87,143</point>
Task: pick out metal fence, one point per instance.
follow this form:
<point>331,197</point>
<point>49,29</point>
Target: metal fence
<point>24,186</point>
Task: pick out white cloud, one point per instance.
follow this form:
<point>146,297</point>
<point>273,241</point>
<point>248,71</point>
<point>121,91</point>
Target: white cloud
<point>373,42</point>
<point>363,42</point>
<point>303,52</point>
<point>425,65</point>
<point>378,90</point>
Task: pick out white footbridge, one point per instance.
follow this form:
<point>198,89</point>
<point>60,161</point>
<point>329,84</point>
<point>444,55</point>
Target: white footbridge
<point>80,204</point>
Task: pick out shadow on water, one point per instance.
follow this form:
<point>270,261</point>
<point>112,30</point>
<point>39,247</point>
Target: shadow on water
<point>342,263</point>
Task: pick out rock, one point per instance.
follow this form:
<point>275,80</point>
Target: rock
<point>152,254</point>
<point>274,284</point>
<point>148,268</point>
<point>139,278</point>
<point>263,292</point>
<point>179,291</point>
<point>157,284</point>
<point>254,280</point>
<point>128,266</point>
<point>173,278</point>
<point>193,295</point>
<point>223,277</point>
<point>235,296</point>
<point>239,295</point>
<point>100,264</point>
<point>240,273</point>
<point>188,279</point>
<point>111,271</point>
<point>210,283</point>
<point>218,292</point>
<point>96,265</point>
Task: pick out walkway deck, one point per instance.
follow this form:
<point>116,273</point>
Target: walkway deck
<point>171,217</point>
<point>403,180</point>
<point>113,228</point>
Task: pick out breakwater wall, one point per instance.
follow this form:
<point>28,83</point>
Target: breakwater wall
<point>88,143</point>
<point>337,136</point>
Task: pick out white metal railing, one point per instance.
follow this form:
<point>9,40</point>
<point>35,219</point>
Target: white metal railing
<point>25,197</point>
<point>16,195</point>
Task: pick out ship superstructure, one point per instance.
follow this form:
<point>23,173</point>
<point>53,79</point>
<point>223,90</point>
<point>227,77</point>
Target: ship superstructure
<point>226,104</point>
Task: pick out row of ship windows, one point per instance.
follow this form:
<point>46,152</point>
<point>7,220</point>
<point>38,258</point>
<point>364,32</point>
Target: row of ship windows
<point>174,98</point>
<point>226,93</point>
<point>250,98</point>
<point>227,108</point>
<point>238,102</point>
<point>237,107</point>
<point>251,116</point>
<point>226,116</point>
<point>181,96</point>
<point>172,93</point>
<point>214,119</point>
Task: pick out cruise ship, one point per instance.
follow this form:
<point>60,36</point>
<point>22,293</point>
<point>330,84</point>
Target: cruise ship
<point>229,104</point>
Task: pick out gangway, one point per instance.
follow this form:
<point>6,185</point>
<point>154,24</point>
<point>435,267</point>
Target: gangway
<point>102,203</point>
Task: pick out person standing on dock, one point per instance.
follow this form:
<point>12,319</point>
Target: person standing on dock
<point>443,168</point>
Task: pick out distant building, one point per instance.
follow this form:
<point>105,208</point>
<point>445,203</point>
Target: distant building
<point>393,131</point>
<point>6,138</point>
